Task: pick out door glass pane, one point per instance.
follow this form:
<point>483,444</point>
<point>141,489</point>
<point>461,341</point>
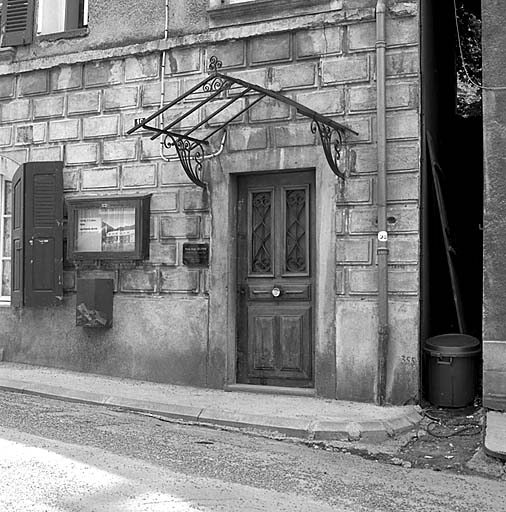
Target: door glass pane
<point>8,197</point>
<point>261,236</point>
<point>6,278</point>
<point>296,248</point>
<point>6,242</point>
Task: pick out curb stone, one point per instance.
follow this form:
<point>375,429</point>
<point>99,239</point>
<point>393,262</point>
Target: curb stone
<point>373,431</point>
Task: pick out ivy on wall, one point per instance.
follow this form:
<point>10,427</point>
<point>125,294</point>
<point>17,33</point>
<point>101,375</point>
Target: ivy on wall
<point>468,63</point>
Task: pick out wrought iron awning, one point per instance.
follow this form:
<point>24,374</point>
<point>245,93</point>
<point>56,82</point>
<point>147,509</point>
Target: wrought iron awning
<point>189,144</point>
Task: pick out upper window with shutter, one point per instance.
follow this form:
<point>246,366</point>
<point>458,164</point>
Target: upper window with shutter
<point>54,17</point>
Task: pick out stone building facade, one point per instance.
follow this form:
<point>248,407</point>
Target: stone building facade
<point>494,278</point>
<point>73,96</point>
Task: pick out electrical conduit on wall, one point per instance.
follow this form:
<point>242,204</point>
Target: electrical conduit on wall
<point>173,158</point>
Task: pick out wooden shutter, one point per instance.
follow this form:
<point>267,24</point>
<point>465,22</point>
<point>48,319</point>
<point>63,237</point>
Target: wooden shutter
<point>37,236</point>
<point>17,240</point>
<point>43,233</point>
<point>18,18</point>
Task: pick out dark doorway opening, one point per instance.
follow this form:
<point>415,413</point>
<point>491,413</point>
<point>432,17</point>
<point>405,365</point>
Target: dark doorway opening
<point>458,149</point>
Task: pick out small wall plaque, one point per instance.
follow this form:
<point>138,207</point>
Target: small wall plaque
<point>196,255</point>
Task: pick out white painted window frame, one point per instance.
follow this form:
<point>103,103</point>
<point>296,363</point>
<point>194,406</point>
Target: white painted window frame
<point>4,260</point>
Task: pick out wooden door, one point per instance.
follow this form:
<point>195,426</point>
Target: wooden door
<point>275,234</point>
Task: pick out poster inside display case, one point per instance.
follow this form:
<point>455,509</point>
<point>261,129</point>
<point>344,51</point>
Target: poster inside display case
<point>115,227</point>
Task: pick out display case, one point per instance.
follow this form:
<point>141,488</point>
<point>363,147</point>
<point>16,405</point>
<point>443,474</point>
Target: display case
<point>108,228</point>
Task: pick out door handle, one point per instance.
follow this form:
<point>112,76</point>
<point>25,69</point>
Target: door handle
<point>276,292</point>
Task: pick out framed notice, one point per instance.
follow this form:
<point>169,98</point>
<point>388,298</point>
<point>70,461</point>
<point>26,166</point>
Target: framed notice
<point>108,228</point>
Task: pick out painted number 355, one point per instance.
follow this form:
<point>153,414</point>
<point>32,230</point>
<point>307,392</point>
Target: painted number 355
<point>408,360</point>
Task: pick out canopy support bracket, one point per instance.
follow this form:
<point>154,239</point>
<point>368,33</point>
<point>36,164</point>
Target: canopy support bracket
<point>332,142</point>
<point>191,156</point>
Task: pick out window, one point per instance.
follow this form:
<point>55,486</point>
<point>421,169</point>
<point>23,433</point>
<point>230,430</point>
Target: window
<point>109,228</point>
<point>236,12</point>
<point>61,15</point>
<point>5,238</point>
<point>220,3</point>
<point>55,16</point>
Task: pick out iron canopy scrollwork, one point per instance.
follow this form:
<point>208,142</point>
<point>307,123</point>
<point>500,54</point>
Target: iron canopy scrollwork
<point>191,156</point>
<point>332,141</point>
<point>213,117</point>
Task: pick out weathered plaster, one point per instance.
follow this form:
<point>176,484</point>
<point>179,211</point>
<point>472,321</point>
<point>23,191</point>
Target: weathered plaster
<point>356,357</point>
<point>157,339</point>
<point>403,356</point>
<point>75,51</point>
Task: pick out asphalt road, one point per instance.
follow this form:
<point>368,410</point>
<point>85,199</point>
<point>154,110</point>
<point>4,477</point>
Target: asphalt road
<point>60,457</point>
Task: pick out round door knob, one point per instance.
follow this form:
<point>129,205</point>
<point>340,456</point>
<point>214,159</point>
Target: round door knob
<point>276,292</point>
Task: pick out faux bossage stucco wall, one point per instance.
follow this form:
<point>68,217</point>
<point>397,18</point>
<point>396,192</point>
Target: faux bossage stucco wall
<point>494,235</point>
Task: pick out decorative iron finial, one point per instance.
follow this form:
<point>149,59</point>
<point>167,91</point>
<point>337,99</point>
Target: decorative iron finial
<point>215,64</point>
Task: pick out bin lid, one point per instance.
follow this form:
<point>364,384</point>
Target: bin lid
<point>454,344</point>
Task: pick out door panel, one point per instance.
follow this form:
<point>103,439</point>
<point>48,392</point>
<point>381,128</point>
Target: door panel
<point>262,338</point>
<point>275,234</point>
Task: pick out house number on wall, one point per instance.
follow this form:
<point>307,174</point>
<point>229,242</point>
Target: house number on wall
<point>382,236</point>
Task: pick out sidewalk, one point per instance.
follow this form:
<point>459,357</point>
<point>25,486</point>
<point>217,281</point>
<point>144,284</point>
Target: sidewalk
<point>290,416</point>
<point>495,435</point>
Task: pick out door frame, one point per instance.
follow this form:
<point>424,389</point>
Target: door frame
<point>222,179</point>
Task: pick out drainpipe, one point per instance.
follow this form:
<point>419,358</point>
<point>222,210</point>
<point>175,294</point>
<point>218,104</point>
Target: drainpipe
<point>382,252</point>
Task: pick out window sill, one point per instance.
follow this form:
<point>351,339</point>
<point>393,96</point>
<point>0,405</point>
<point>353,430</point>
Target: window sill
<point>7,54</point>
<point>269,6</point>
<point>67,34</point>
<point>261,10</point>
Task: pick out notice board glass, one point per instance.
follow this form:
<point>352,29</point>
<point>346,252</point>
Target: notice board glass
<point>114,227</point>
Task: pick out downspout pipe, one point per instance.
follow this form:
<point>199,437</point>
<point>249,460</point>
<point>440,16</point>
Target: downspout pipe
<point>382,251</point>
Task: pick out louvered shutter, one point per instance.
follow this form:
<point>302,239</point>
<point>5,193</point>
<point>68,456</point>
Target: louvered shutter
<point>37,241</point>
<point>43,233</point>
<point>17,15</point>
<point>17,239</point>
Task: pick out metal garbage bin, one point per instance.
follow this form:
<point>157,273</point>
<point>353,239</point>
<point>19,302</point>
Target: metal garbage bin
<point>451,369</point>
